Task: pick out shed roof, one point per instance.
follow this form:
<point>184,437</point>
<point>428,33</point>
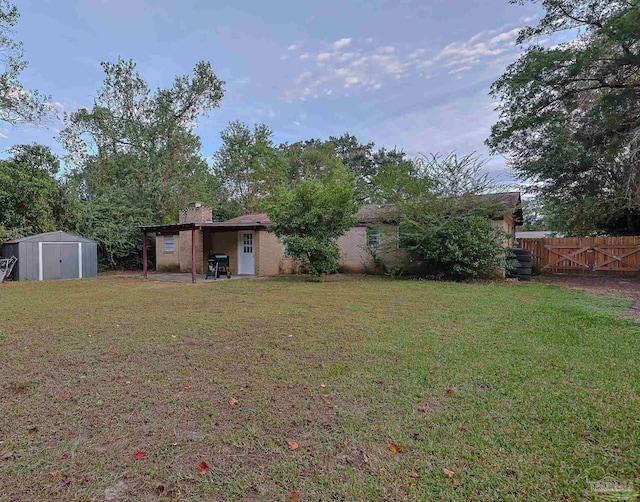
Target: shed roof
<point>52,237</point>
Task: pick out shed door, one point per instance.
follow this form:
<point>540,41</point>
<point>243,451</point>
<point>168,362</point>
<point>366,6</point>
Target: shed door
<point>60,260</point>
<point>246,262</point>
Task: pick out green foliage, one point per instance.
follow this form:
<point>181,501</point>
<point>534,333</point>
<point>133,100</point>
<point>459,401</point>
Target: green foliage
<point>112,219</point>
<point>310,217</point>
<point>448,229</point>
<point>250,167</point>
<point>568,114</point>
<point>454,246</point>
<point>17,105</point>
<point>32,199</point>
<point>134,157</point>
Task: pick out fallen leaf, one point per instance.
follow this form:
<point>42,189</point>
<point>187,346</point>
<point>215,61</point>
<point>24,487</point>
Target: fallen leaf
<point>414,474</point>
<point>373,471</point>
<point>139,454</point>
<point>64,456</point>
<point>187,387</point>
<point>233,401</point>
<point>377,380</point>
<point>454,482</point>
<point>322,385</point>
<point>33,430</point>
<point>394,448</point>
<point>305,388</point>
<point>64,395</point>
<point>292,445</point>
<point>7,455</point>
<point>480,413</point>
<point>365,458</point>
<point>203,468</point>
<point>293,405</point>
<point>159,489</point>
<point>450,392</point>
<point>294,496</point>
<point>36,373</point>
<point>448,472</point>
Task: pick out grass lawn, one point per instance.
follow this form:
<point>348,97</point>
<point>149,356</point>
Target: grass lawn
<point>523,391</point>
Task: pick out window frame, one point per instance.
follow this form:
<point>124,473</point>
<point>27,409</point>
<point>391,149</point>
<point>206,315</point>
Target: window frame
<point>372,232</point>
<point>166,239</point>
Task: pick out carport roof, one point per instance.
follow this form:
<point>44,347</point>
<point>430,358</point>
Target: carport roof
<point>215,225</point>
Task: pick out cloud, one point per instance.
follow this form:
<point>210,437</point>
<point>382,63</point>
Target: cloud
<point>292,47</point>
<point>358,64</point>
<point>460,125</point>
<point>340,44</point>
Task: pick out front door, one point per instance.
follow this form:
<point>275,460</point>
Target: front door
<point>246,263</point>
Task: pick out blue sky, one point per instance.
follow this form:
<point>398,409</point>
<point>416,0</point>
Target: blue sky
<point>411,74</point>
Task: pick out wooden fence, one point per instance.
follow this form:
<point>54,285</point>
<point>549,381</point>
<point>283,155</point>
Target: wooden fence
<point>586,255</point>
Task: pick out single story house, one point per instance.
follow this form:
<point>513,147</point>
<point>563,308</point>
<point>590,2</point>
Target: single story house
<point>254,250</point>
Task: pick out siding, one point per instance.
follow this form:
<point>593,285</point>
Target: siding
<point>269,259</point>
<point>169,262</point>
<point>223,242</point>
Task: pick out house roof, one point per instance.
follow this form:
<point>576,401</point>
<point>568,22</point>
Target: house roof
<point>504,203</point>
<point>259,218</point>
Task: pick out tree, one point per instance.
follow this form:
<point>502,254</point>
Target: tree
<point>138,149</point>
<point>32,199</point>
<point>569,115</point>
<point>17,105</point>
<point>310,216</point>
<point>250,167</point>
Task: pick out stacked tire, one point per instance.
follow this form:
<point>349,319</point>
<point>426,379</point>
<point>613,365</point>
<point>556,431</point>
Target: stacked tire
<point>522,268</point>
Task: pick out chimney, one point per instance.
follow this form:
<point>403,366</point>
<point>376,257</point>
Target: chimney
<point>196,213</point>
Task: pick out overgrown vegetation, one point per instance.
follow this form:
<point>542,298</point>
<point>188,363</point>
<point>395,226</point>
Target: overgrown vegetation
<point>522,392</point>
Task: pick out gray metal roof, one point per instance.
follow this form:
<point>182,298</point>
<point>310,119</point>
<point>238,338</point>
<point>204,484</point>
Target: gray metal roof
<point>51,237</point>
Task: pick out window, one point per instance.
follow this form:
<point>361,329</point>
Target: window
<point>247,243</point>
<point>168,244</point>
<point>373,238</point>
<point>401,239</point>
<point>285,250</point>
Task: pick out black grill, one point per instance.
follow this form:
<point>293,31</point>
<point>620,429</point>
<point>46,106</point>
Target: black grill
<point>218,264</point>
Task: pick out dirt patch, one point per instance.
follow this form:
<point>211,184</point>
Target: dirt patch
<point>618,287</point>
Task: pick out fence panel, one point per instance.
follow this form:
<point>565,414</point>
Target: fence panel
<point>587,255</point>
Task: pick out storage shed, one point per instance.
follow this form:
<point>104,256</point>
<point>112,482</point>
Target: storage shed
<point>54,255</point>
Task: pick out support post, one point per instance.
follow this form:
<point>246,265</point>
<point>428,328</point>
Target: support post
<point>193,255</point>
<point>144,253</point>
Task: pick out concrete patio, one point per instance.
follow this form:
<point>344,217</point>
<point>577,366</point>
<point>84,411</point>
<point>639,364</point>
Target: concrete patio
<point>184,278</point>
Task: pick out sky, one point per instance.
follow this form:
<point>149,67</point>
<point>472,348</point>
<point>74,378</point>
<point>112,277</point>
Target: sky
<point>402,73</point>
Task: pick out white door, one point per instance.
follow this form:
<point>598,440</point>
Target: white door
<point>246,263</point>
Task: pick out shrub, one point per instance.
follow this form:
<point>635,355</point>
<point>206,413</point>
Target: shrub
<point>311,216</point>
<point>462,246</point>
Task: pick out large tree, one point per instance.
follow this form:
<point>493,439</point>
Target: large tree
<point>17,104</point>
<point>570,113</point>
<point>249,166</point>
<point>138,149</point>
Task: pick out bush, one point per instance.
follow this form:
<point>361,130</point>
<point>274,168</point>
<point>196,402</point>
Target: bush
<point>463,246</point>
<point>311,216</point>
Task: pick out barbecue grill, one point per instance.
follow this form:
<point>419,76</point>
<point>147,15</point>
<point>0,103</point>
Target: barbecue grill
<point>218,264</point>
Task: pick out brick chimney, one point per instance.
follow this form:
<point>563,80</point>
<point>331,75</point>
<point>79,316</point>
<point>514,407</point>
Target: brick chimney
<point>196,213</point>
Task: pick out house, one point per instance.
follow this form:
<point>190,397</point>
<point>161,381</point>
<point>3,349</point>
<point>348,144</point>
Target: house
<point>254,250</point>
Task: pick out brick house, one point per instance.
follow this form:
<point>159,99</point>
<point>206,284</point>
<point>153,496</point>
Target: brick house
<point>253,250</point>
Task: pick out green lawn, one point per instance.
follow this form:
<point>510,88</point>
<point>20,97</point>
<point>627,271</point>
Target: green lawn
<point>524,391</point>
